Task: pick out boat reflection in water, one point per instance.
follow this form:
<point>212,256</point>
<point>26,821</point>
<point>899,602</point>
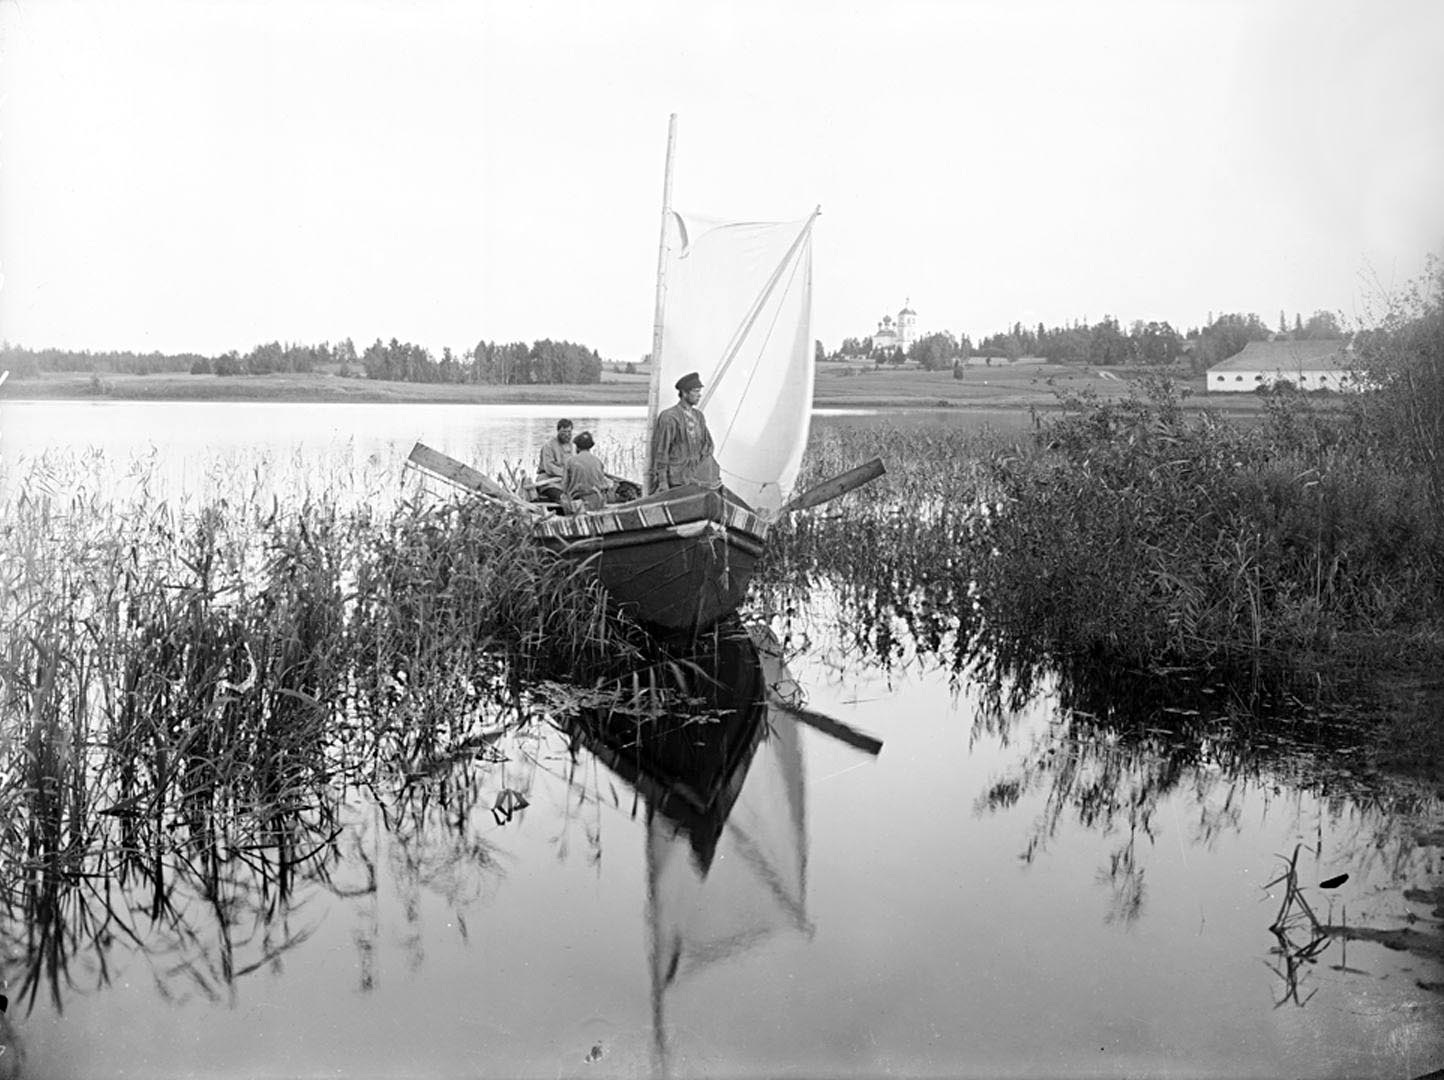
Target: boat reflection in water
<point>711,743</point>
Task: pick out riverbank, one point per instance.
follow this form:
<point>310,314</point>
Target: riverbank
<point>1020,385</point>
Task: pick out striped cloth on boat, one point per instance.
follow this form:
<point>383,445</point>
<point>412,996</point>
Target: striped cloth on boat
<point>695,507</point>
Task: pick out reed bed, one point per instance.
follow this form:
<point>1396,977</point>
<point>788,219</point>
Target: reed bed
<point>1128,534</point>
<point>892,552</point>
<point>191,680</point>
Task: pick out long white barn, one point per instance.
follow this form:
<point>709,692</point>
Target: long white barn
<point>1309,365</point>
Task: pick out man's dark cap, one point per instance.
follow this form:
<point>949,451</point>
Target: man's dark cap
<point>689,381</point>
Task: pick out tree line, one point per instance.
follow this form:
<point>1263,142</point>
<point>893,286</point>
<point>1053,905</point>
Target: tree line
<point>1105,342</point>
<point>517,363</point>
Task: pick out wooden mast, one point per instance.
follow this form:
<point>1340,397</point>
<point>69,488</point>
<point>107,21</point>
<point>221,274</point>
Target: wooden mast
<point>654,392</point>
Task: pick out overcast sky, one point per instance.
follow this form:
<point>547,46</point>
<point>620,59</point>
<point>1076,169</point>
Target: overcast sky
<point>204,176</point>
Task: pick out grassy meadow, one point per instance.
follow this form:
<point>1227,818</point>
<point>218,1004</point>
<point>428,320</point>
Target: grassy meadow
<point>616,389</point>
<point>997,384</point>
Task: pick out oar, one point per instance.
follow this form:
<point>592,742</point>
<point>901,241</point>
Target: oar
<point>838,485</point>
<point>448,469</point>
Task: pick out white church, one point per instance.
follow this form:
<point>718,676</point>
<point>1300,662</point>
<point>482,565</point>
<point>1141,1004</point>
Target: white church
<point>899,334</point>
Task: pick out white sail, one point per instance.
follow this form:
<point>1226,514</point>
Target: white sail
<point>738,311</point>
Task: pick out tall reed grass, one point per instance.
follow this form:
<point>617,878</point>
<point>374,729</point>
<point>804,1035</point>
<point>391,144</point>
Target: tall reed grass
<point>185,682</point>
<point>1134,533</point>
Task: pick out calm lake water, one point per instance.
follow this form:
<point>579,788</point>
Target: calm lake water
<point>999,898</point>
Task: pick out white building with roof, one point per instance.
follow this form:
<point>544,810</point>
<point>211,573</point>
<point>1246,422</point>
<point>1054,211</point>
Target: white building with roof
<point>1309,365</point>
<point>899,334</point>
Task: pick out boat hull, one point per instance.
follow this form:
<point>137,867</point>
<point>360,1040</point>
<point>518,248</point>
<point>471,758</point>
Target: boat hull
<point>678,562</point>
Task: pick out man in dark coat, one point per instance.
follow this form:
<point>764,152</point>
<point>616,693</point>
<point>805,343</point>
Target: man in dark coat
<point>681,443</point>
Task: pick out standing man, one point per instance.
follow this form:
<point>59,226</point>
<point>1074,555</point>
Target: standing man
<point>681,443</point>
<point>551,463</point>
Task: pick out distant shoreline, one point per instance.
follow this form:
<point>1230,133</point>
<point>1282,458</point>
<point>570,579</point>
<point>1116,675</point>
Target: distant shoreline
<point>1024,386</point>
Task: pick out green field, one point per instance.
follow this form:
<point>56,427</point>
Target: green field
<point>1001,384</point>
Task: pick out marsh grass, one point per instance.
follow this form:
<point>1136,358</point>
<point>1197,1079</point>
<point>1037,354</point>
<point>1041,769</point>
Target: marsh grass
<point>1130,533</point>
<point>892,552</point>
<point>191,687</point>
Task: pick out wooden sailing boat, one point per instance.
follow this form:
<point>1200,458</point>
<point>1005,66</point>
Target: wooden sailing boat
<point>734,304</point>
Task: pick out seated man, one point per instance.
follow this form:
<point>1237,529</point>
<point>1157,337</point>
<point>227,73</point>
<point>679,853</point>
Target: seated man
<point>551,463</point>
<point>585,483</point>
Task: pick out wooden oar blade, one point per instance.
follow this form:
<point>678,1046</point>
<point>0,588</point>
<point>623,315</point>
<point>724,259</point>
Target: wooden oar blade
<point>459,475</point>
<point>838,485</point>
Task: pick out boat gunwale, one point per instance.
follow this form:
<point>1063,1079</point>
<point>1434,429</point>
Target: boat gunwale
<point>660,534</point>
<point>689,505</point>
